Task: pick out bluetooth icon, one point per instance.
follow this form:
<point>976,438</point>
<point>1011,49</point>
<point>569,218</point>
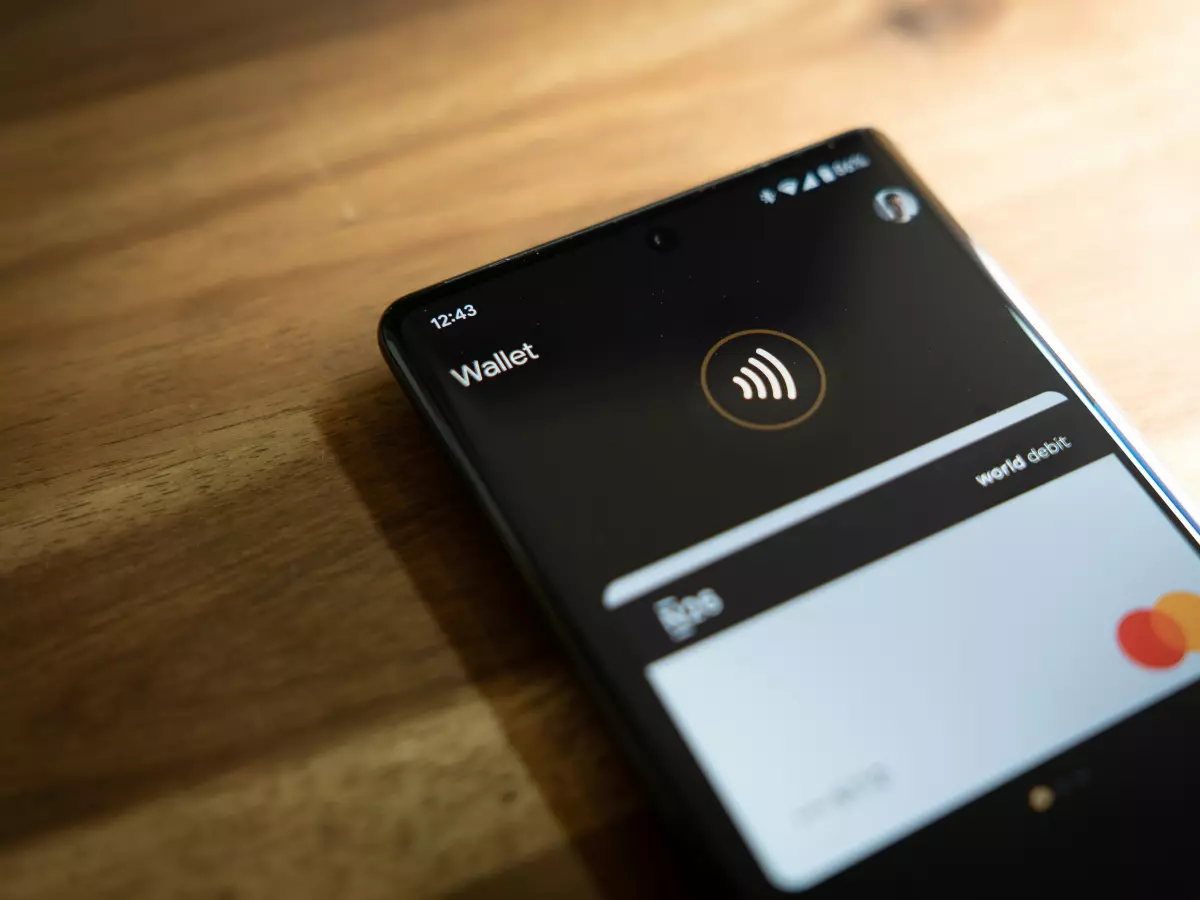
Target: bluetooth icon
<point>767,195</point>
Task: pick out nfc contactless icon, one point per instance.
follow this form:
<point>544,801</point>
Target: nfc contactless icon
<point>762,379</point>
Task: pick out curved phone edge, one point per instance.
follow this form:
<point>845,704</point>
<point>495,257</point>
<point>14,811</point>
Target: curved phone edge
<point>1106,411</point>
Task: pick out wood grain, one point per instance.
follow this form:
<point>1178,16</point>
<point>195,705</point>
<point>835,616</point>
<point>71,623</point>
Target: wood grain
<point>254,641</point>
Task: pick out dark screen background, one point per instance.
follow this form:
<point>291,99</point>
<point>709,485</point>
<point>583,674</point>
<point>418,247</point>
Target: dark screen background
<point>604,453</point>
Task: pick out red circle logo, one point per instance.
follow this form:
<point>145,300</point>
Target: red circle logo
<point>1159,638</point>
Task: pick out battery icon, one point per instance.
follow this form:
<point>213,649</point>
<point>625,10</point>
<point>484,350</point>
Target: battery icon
<point>826,174</point>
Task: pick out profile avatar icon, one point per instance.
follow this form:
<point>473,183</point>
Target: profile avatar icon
<point>896,205</point>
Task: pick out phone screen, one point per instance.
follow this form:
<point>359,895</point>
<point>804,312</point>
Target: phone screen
<point>839,532</point>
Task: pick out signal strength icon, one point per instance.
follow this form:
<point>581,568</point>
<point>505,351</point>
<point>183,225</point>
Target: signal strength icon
<point>772,373</point>
<point>811,182</point>
<point>789,186</point>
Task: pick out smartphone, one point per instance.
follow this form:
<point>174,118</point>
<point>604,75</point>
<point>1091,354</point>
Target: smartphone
<point>876,588</point>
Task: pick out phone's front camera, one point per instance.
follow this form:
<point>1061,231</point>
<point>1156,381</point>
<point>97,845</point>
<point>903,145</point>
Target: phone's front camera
<point>662,239</point>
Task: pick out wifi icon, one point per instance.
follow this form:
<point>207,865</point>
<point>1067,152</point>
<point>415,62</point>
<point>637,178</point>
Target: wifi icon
<point>763,365</point>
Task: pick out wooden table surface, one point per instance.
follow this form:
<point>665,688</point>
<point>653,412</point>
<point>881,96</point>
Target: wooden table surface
<point>255,642</point>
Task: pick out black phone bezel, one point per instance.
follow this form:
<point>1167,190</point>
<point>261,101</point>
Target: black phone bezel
<point>713,851</point>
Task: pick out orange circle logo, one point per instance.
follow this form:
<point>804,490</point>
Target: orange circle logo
<point>1160,637</point>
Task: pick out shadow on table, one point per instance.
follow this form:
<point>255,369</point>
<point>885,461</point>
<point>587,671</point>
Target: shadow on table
<point>620,862</point>
<point>462,575</point>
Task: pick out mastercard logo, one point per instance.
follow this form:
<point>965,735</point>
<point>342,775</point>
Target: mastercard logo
<point>1160,637</point>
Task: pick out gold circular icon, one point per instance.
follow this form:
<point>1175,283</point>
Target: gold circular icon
<point>762,426</point>
<point>1041,798</point>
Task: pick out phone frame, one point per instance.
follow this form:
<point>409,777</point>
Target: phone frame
<point>719,861</point>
